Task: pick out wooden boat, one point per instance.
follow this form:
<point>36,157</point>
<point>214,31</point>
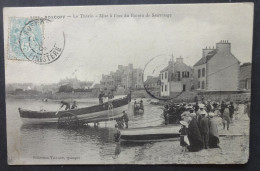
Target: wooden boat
<point>92,114</point>
<point>148,134</point>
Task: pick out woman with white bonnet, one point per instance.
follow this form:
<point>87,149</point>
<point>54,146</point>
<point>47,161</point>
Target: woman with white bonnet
<point>213,131</point>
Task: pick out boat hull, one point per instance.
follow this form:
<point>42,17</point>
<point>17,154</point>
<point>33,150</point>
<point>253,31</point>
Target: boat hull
<point>148,134</point>
<point>86,118</point>
<point>90,114</point>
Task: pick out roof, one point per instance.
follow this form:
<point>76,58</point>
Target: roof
<point>165,69</point>
<point>205,59</point>
<point>178,66</point>
<point>245,72</point>
<point>152,80</point>
<point>181,67</point>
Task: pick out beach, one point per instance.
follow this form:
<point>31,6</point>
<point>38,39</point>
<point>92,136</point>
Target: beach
<point>234,148</point>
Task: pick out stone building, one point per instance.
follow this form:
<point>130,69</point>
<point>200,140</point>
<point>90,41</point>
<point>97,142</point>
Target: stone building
<point>217,70</point>
<point>107,82</point>
<point>125,76</point>
<point>152,82</point>
<point>175,78</point>
<point>137,78</point>
<point>245,76</point>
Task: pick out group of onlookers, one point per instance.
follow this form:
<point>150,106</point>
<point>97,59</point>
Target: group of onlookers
<point>200,128</point>
<point>199,123</point>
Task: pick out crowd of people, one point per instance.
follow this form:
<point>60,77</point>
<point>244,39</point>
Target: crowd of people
<point>199,122</point>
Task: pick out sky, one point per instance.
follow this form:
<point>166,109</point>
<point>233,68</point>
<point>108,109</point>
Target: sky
<point>97,46</point>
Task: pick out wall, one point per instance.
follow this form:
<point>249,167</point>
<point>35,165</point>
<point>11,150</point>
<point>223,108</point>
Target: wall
<point>225,96</point>
<point>223,72</point>
<point>164,81</point>
<point>176,86</point>
<point>138,78</point>
<point>195,75</point>
<point>245,84</point>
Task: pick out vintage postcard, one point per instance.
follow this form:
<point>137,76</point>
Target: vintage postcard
<point>128,84</point>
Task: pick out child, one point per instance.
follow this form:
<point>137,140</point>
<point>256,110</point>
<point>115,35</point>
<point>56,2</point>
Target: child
<point>117,133</point>
<point>184,142</point>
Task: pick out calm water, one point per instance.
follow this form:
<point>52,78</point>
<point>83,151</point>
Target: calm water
<point>85,145</point>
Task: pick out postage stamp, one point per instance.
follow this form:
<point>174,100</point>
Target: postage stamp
<point>29,40</point>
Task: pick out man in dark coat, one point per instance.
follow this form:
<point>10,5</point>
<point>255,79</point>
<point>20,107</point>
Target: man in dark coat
<point>100,98</point>
<point>222,108</point>
<point>196,107</point>
<point>63,103</point>
<point>231,111</point>
<point>204,130</point>
<point>194,136</point>
<point>126,119</point>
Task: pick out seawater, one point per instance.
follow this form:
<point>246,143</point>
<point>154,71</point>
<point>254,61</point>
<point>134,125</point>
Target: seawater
<point>50,144</point>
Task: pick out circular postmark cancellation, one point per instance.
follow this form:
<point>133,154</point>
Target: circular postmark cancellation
<point>153,84</point>
<point>41,42</point>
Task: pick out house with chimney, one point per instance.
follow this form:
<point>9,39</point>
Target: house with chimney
<point>175,78</point>
<point>217,70</point>
<point>245,76</point>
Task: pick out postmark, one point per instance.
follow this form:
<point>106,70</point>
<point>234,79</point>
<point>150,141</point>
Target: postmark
<point>152,68</point>
<point>35,40</point>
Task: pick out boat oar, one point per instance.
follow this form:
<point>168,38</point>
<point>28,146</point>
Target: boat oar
<point>58,111</point>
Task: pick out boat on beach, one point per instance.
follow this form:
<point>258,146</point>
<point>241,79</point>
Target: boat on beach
<point>149,134</point>
<point>92,114</point>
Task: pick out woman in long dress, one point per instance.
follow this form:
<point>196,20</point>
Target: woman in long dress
<point>194,136</point>
<point>213,132</point>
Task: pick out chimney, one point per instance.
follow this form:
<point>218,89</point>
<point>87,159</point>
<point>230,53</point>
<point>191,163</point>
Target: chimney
<point>170,69</point>
<point>130,66</point>
<point>223,46</point>
<point>179,60</point>
<point>206,51</point>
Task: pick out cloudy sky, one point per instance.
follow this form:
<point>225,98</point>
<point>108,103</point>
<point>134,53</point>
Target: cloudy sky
<point>97,46</point>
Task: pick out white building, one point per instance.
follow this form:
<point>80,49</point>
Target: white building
<point>175,78</point>
<point>218,69</point>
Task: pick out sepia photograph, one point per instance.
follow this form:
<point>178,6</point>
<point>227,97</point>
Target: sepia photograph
<point>128,84</point>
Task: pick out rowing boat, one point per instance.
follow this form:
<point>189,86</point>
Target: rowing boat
<point>92,114</point>
<point>152,133</point>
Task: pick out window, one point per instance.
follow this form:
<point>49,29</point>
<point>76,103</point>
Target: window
<point>199,73</point>
<point>162,88</point>
<point>188,74</point>
<point>172,77</point>
<point>246,84</point>
<point>165,88</point>
<point>203,72</point>
<point>162,76</point>
<point>202,85</point>
<point>198,84</point>
<point>165,75</point>
<point>184,87</point>
<point>182,75</point>
<point>179,75</point>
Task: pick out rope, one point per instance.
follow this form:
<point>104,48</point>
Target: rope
<point>220,70</point>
